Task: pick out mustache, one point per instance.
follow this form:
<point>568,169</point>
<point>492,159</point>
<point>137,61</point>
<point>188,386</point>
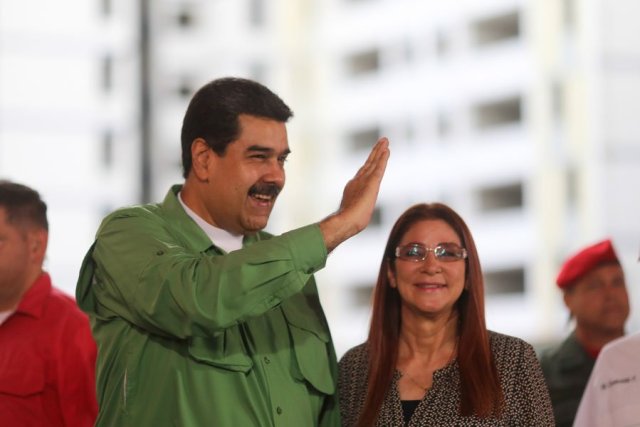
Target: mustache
<point>265,189</point>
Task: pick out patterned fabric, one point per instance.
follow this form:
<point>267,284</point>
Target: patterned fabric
<point>526,394</point>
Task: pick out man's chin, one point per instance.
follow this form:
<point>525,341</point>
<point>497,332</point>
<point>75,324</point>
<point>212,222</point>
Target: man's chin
<point>255,224</point>
<point>613,326</point>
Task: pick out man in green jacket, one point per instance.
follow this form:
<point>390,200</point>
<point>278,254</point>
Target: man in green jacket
<point>201,318</point>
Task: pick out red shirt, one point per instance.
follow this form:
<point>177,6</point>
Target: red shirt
<point>47,362</point>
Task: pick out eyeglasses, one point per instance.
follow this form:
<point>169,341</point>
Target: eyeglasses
<point>447,252</point>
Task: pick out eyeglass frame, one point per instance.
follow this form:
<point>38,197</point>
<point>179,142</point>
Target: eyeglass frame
<point>464,253</point>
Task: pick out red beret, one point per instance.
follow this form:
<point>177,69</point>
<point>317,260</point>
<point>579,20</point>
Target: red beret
<point>584,261</point>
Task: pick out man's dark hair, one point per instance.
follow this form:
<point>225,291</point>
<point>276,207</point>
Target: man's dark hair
<point>23,205</point>
<point>213,113</point>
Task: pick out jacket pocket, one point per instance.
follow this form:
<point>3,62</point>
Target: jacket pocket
<point>226,350</point>
<point>312,346</point>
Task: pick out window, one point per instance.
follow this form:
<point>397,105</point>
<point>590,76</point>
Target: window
<point>557,100</point>
<point>257,13</point>
<point>107,7</point>
<point>442,44</point>
<point>572,186</point>
<point>107,148</point>
<point>500,197</point>
<point>363,139</point>
<point>498,113</point>
<point>361,295</point>
<point>185,89</point>
<point>107,73</point>
<point>185,17</point>
<point>507,281</point>
<point>376,217</point>
<point>443,124</point>
<point>496,29</point>
<point>363,62</point>
<point>568,13</point>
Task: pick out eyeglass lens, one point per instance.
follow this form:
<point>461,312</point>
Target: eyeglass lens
<point>443,252</point>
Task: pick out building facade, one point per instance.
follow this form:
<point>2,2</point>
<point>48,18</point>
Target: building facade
<point>517,113</point>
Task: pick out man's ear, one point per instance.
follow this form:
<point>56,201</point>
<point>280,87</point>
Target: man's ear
<point>567,297</point>
<point>38,240</point>
<point>200,159</point>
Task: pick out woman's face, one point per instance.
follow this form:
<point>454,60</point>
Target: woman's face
<point>431,286</point>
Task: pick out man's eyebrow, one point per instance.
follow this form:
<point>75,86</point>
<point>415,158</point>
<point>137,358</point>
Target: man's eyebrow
<point>263,149</point>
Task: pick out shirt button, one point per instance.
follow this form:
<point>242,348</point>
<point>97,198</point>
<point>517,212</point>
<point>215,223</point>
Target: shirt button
<point>279,410</point>
<point>267,360</point>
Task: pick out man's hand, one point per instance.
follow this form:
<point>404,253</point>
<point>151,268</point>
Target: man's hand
<point>358,199</point>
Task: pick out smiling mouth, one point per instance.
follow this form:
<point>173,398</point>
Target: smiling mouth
<point>430,286</point>
<point>264,193</point>
<point>263,197</point>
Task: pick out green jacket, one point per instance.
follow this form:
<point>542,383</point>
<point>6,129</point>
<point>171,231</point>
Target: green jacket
<point>566,369</point>
<point>191,336</point>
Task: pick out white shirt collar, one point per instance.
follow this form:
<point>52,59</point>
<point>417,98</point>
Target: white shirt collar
<point>4,315</point>
<point>221,238</point>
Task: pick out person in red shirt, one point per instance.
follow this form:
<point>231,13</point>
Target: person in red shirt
<point>47,353</point>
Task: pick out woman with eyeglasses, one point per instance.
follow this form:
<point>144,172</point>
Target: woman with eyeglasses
<point>429,359</point>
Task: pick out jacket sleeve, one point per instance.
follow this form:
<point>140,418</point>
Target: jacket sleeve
<point>141,271</point>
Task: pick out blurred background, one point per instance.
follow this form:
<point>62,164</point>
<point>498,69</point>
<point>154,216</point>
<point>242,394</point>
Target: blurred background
<point>520,114</point>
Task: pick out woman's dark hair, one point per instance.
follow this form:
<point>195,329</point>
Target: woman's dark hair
<point>480,390</point>
<point>213,113</point>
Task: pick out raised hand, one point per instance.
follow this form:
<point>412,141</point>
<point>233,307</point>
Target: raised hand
<point>358,199</point>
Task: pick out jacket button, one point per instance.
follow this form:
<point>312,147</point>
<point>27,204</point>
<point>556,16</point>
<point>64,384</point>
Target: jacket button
<point>279,410</point>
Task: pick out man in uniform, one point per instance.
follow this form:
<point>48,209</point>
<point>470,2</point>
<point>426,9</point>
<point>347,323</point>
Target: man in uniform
<point>594,290</point>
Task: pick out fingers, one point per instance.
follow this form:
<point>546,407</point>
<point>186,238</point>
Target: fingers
<point>358,198</point>
<point>382,156</point>
<point>362,190</point>
<point>377,157</point>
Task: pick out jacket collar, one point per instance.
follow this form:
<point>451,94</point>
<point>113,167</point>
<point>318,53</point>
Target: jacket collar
<point>32,303</point>
<point>179,219</point>
<point>176,214</point>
